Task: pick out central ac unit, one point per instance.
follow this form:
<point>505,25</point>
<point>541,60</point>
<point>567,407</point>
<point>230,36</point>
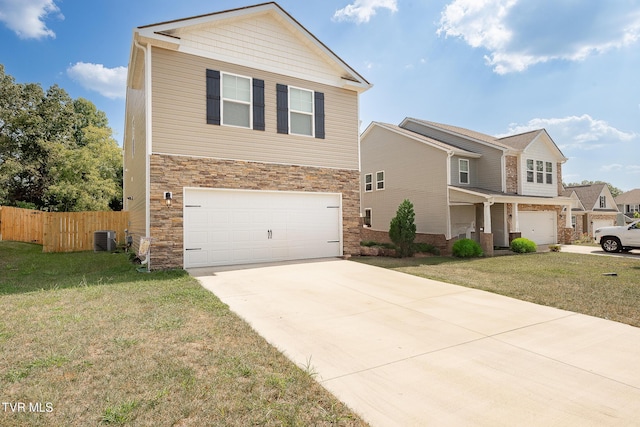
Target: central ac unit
<point>104,240</point>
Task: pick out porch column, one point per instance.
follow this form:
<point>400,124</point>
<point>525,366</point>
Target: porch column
<point>487,217</point>
<point>516,218</point>
<point>567,211</point>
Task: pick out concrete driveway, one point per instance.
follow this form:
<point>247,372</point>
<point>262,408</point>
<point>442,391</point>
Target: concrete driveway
<point>406,351</point>
<point>596,250</point>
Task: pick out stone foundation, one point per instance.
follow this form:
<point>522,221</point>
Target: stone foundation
<point>437,240</point>
<point>173,173</point>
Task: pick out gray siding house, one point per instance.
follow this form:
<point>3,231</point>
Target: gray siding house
<point>464,183</point>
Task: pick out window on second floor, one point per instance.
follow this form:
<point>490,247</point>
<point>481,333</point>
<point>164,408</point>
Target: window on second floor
<point>380,180</point>
<point>539,171</point>
<point>463,171</point>
<point>549,172</point>
<point>603,202</point>
<point>368,182</point>
<point>236,100</point>
<point>300,111</point>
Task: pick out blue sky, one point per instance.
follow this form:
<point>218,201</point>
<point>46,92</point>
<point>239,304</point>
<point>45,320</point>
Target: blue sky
<point>494,66</point>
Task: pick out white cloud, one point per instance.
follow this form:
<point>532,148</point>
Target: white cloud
<point>612,167</point>
<point>109,82</point>
<point>520,33</point>
<point>362,10</point>
<point>576,132</point>
<point>26,17</point>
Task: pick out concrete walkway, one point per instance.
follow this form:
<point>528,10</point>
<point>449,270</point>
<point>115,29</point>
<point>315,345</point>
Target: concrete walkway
<point>406,351</point>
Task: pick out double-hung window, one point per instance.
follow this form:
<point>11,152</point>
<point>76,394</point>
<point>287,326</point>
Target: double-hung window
<point>367,217</point>
<point>236,100</point>
<point>529,170</point>
<point>549,172</point>
<point>368,182</point>
<point>539,170</point>
<point>603,202</point>
<point>463,171</point>
<point>380,180</point>
<point>300,111</point>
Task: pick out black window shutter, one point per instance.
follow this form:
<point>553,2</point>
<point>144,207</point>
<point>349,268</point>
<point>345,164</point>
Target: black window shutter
<point>282,101</point>
<point>319,114</point>
<point>213,97</point>
<point>258,104</point>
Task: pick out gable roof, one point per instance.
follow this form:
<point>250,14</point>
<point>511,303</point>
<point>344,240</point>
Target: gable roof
<point>588,194</point>
<point>170,35</point>
<point>421,138</point>
<point>517,143</point>
<point>629,198</point>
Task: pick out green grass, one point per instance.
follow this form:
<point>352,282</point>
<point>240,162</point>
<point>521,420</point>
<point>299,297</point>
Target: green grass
<point>102,344</point>
<point>568,281</point>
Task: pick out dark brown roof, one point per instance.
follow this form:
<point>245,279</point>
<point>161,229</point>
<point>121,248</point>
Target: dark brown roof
<point>588,194</point>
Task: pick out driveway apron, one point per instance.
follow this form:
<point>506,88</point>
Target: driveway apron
<point>406,351</point>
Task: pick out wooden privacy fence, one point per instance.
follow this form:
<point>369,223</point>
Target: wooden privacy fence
<point>59,231</point>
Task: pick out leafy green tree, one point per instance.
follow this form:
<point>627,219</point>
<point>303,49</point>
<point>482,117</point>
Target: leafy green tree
<point>56,153</point>
<point>402,229</point>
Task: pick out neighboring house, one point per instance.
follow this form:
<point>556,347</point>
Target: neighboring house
<point>629,203</point>
<point>593,207</point>
<point>247,126</point>
<point>464,183</point>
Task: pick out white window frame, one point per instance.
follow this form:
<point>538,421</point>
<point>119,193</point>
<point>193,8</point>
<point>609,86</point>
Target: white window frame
<point>312,114</point>
<point>603,202</point>
<point>364,221</point>
<point>223,99</point>
<point>531,170</point>
<point>369,184</point>
<point>548,173</point>
<point>460,171</point>
<point>539,172</point>
<point>379,181</point>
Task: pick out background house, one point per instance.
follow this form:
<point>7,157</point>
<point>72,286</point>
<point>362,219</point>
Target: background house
<point>629,203</point>
<point>247,125</point>
<point>594,208</point>
<point>464,183</point>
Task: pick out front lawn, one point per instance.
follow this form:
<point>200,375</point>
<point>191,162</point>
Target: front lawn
<point>568,281</point>
<point>87,340</point>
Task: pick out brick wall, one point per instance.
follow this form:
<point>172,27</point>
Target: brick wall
<point>564,234</point>
<point>511,164</point>
<point>172,173</point>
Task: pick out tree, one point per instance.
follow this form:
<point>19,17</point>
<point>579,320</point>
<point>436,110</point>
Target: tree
<point>615,191</point>
<point>402,229</point>
<point>56,153</point>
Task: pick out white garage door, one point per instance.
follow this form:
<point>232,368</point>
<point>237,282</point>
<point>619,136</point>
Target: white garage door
<point>539,227</point>
<point>225,227</point>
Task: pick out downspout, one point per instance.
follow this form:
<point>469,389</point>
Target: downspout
<point>147,112</point>
<point>448,234</point>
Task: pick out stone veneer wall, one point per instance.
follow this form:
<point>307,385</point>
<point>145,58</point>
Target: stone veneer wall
<point>437,240</point>
<point>172,173</point>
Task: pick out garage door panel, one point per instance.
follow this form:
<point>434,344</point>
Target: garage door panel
<point>236,227</point>
<point>539,226</point>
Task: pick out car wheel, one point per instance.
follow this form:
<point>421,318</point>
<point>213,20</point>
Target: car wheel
<point>611,244</point>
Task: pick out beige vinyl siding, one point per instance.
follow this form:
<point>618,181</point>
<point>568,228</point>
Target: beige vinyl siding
<point>415,171</point>
<point>134,178</point>
<point>180,128</point>
<point>488,167</point>
<point>263,40</point>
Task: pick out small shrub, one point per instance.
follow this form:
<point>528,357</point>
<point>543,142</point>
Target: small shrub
<point>554,248</point>
<point>426,248</point>
<point>402,229</point>
<point>467,248</point>
<point>522,245</point>
<point>368,243</point>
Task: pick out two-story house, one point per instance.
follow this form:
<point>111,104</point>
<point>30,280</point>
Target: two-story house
<point>241,141</point>
<point>594,207</point>
<point>629,203</point>
<point>464,183</point>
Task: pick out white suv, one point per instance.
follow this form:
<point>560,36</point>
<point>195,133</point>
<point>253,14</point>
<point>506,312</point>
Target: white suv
<point>618,239</point>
